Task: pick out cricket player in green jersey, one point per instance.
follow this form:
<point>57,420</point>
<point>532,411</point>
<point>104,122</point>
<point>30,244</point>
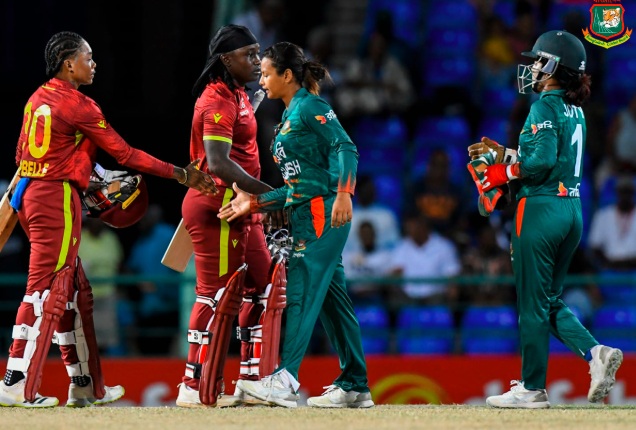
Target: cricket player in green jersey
<point>548,167</point>
<point>318,162</point>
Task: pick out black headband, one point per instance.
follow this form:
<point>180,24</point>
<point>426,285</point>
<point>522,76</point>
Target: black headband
<point>229,38</point>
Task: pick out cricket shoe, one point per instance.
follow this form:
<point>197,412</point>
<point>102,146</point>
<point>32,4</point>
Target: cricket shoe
<point>605,362</point>
<point>270,389</point>
<point>246,399</point>
<point>81,397</point>
<point>189,398</point>
<point>13,396</point>
<point>519,397</point>
<point>336,397</point>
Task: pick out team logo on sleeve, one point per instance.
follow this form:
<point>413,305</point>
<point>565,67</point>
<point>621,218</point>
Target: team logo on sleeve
<point>607,23</point>
<point>300,246</point>
<point>286,128</point>
<point>217,118</point>
<point>102,124</point>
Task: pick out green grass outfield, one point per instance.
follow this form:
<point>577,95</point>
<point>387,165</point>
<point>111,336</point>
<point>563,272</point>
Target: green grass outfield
<point>380,417</point>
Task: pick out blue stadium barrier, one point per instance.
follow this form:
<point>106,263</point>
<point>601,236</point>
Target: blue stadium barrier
<point>617,294</point>
<point>442,131</point>
<point>615,326</point>
<point>378,132</point>
<point>374,325</point>
<point>425,330</point>
<point>505,9</point>
<point>490,330</point>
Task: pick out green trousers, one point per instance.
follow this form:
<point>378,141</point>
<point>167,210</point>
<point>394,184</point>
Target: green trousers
<point>316,287</point>
<point>547,232</point>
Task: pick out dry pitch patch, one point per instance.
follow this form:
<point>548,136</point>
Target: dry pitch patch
<point>380,417</point>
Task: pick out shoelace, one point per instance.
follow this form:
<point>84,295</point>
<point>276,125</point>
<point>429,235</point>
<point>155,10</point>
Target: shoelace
<point>330,389</point>
<point>516,386</point>
<point>267,381</point>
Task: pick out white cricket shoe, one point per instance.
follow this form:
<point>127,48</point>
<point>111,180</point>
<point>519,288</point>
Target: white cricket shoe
<point>13,396</point>
<point>189,398</point>
<point>519,397</point>
<point>605,362</point>
<point>336,397</point>
<point>81,397</point>
<point>246,399</point>
<point>270,389</point>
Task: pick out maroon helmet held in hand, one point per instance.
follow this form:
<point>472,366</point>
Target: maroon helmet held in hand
<point>120,203</point>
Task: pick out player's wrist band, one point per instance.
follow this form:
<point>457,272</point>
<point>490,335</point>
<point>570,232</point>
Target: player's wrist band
<point>185,173</point>
<point>510,156</point>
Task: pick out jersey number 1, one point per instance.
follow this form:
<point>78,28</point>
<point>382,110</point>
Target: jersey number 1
<point>44,111</point>
<point>577,138</point>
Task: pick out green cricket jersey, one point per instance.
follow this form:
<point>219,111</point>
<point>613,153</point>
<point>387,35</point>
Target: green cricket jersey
<point>551,147</point>
<point>313,152</point>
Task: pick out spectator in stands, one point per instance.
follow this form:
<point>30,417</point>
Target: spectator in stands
<point>381,218</point>
<point>159,306</point>
<point>497,59</point>
<point>436,196</point>
<point>613,233</point>
<point>375,84</point>
<point>264,21</point>
<point>423,253</point>
<point>487,259</point>
<point>102,255</point>
<point>368,261</point>
<point>622,138</point>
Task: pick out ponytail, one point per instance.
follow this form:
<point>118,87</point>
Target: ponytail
<point>576,85</point>
<point>308,74</point>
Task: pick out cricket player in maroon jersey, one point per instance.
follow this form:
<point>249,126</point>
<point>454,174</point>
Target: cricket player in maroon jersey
<point>224,138</point>
<point>61,131</point>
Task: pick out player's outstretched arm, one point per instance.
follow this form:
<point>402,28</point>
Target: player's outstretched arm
<point>192,177</point>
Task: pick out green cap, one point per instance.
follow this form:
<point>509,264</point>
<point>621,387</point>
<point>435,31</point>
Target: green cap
<point>562,47</point>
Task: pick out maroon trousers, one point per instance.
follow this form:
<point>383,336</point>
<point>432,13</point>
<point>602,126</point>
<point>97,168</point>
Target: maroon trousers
<point>220,248</point>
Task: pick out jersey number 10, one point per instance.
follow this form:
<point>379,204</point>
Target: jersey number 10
<point>45,111</point>
<point>577,138</point>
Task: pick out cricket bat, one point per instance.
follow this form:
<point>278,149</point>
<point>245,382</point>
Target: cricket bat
<point>180,250</point>
<point>8,216</point>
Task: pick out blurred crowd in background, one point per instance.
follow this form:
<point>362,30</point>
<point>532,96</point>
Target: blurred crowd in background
<point>415,83</point>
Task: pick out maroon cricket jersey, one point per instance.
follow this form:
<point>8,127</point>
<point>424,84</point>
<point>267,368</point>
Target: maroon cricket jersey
<point>221,115</point>
<point>61,131</point>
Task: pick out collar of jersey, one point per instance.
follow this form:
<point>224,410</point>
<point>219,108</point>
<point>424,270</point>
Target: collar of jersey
<point>559,93</point>
<point>60,83</point>
<point>300,94</point>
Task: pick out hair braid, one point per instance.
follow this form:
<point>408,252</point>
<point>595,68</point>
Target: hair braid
<point>60,47</point>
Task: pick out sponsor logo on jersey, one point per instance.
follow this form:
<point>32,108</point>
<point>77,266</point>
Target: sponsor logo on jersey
<point>300,246</point>
<point>279,152</point>
<point>321,118</point>
<point>575,192</point>
<point>606,22</point>
<point>540,126</point>
<point>217,118</point>
<point>286,128</point>
<point>563,192</point>
<point>102,124</point>
<point>534,129</point>
<point>234,242</point>
<point>330,115</point>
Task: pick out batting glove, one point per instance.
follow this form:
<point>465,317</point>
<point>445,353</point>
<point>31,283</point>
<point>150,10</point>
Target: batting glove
<point>502,155</point>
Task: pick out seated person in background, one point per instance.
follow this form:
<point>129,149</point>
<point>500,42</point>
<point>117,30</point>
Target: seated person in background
<point>368,261</point>
<point>102,254</point>
<point>381,218</point>
<point>423,253</point>
<point>613,233</point>
<point>487,259</point>
<point>376,84</point>
<point>436,197</point>
<point>621,138</point>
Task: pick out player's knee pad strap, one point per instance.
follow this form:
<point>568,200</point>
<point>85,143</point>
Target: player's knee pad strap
<point>75,337</point>
<point>250,334</point>
<point>193,370</point>
<point>199,337</point>
<point>250,367</point>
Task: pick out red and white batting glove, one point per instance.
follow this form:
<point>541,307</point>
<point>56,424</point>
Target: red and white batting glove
<point>499,174</point>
